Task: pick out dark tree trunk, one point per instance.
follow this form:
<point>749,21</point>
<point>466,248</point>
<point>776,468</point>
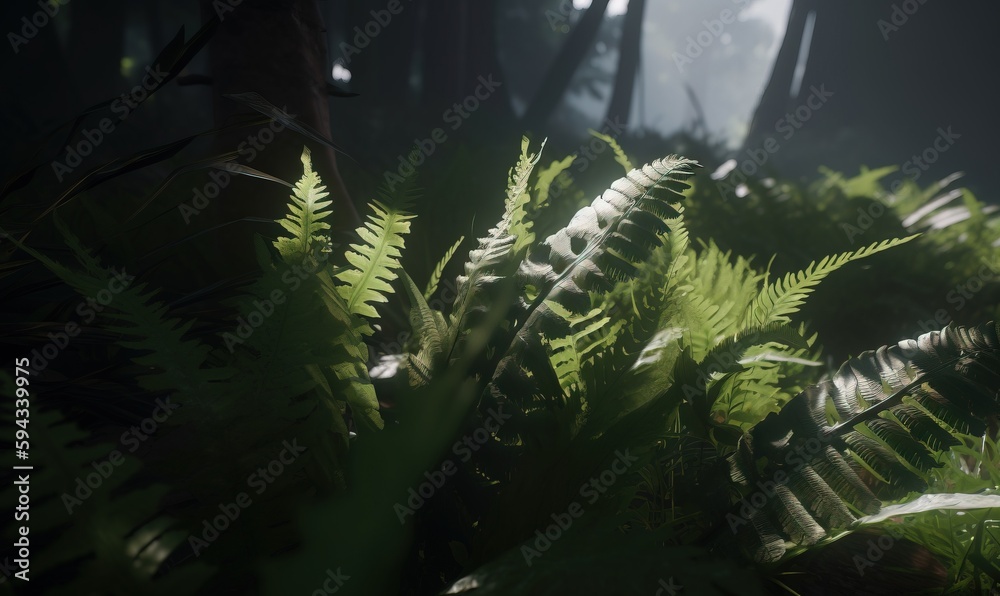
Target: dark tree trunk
<point>896,78</point>
<point>560,73</point>
<point>774,101</point>
<point>628,62</point>
<point>458,41</point>
<point>276,49</point>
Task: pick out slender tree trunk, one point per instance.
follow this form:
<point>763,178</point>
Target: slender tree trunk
<point>628,62</point>
<point>774,101</point>
<point>459,49</point>
<point>276,49</point>
<point>560,73</point>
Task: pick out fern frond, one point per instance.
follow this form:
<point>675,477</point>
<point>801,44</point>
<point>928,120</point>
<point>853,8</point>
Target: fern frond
<point>499,253</point>
<point>866,434</point>
<point>607,240</point>
<point>174,362</point>
<point>435,278</point>
<point>114,534</point>
<point>305,215</point>
<point>430,331</point>
<point>785,296</point>
<point>546,178</point>
<point>375,260</point>
<point>620,155</point>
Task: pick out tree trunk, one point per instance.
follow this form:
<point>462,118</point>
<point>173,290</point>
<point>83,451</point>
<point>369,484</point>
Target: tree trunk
<point>560,73</point>
<point>628,62</point>
<point>459,48</point>
<point>774,101</point>
<point>276,49</point>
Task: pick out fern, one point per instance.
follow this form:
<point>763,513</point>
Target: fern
<point>498,254</point>
<point>108,539</point>
<point>620,156</point>
<point>375,260</point>
<point>888,408</point>
<point>435,278</point>
<point>555,173</point>
<point>785,296</point>
<point>305,215</point>
<point>172,362</point>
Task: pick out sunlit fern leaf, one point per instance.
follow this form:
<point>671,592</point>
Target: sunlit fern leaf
<point>547,178</point>
<point>589,334</point>
<point>435,278</point>
<point>785,296</point>
<point>865,432</point>
<point>375,260</point>
<point>620,155</point>
<point>429,330</point>
<point>608,239</point>
<point>306,210</point>
<point>350,363</point>
<point>490,265</point>
<point>603,244</point>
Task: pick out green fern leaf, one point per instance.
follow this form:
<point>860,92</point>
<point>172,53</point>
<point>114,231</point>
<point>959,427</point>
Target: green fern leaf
<point>553,174</point>
<point>863,435</point>
<point>374,261</point>
<point>305,215</point>
<point>785,296</point>
<point>435,278</point>
<point>620,156</point>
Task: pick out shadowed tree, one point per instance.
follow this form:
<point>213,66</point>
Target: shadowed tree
<point>276,49</point>
<point>898,72</point>
<point>564,65</point>
<point>628,62</point>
